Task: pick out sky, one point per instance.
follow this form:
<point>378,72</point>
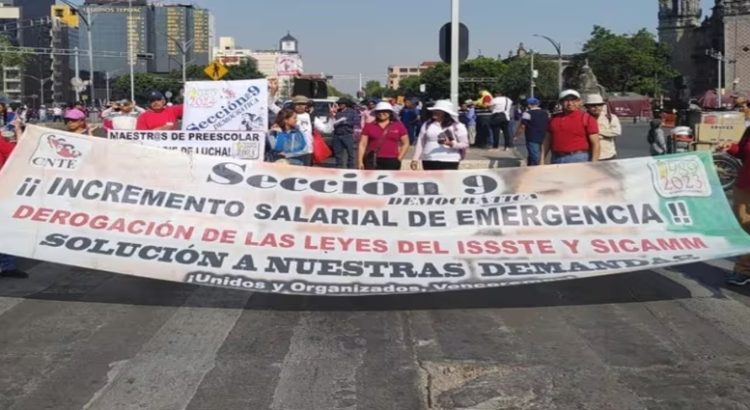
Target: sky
<point>347,37</point>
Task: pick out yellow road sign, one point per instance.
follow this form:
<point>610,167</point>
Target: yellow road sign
<point>216,70</point>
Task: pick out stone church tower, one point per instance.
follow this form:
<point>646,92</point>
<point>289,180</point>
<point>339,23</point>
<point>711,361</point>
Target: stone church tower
<point>727,29</point>
<point>736,19</point>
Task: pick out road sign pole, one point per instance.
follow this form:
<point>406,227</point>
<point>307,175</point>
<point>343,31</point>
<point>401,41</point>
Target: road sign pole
<point>131,54</point>
<point>454,51</point>
<point>78,74</point>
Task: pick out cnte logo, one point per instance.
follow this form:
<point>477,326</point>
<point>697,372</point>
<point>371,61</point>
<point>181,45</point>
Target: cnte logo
<point>56,152</point>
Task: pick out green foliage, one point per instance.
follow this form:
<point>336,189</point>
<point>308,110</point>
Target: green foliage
<point>147,82</point>
<point>480,74</point>
<point>10,58</point>
<point>627,62</point>
<point>409,86</point>
<point>437,81</point>
<point>144,84</point>
<point>516,81</point>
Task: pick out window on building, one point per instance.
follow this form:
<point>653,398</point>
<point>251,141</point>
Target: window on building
<point>403,70</point>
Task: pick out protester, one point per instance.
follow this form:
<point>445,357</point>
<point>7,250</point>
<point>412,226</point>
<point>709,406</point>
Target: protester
<point>57,114</point>
<point>471,125</point>
<point>740,276</point>
<point>534,125</point>
<point>347,118</point>
<point>741,105</point>
<point>368,114</point>
<point>410,118</point>
<point>287,141</point>
<point>656,139</point>
<point>75,122</point>
<point>8,264</point>
<point>502,111</point>
<point>123,115</point>
<point>384,142</point>
<point>307,123</point>
<point>609,126</point>
<point>573,135</point>
<point>442,141</point>
<point>159,116</point>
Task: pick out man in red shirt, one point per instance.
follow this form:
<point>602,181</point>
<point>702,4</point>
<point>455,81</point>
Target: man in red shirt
<point>8,264</point>
<point>573,134</point>
<point>159,117</point>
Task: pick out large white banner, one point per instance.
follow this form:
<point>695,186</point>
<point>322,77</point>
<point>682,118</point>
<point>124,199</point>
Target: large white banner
<point>126,208</point>
<point>247,145</point>
<point>226,106</point>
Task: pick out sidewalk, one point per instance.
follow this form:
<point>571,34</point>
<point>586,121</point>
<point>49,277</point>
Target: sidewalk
<point>480,158</point>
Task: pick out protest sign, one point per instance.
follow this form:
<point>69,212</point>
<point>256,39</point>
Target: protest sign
<point>252,225</point>
<point>247,145</point>
<point>226,106</point>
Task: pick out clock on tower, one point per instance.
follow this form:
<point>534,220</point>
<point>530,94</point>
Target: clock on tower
<point>288,44</point>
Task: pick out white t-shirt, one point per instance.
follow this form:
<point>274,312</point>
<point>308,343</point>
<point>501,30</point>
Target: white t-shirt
<point>431,150</point>
<point>502,104</point>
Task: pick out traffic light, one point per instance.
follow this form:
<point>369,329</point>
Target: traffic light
<point>66,15</point>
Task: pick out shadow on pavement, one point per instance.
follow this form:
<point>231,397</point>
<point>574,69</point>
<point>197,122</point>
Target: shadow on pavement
<point>79,285</point>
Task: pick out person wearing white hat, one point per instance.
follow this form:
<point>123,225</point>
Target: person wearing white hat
<point>442,141</point>
<point>573,134</point>
<point>383,142</point>
<point>609,125</point>
<point>308,123</point>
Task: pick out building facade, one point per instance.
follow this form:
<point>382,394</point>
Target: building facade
<point>397,73</point>
<point>695,42</point>
<point>181,29</point>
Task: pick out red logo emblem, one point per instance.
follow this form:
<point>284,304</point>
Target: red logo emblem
<point>62,148</point>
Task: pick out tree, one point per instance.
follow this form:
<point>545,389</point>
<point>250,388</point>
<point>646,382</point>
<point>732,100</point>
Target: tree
<point>374,89</point>
<point>516,80</point>
<point>437,81</point>
<point>480,74</point>
<point>627,62</point>
<point>145,83</point>
<point>409,86</point>
<point>9,58</point>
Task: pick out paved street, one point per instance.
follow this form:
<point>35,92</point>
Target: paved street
<point>672,339</point>
<point>667,339</point>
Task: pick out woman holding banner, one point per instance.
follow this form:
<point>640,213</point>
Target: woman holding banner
<point>442,141</point>
<point>286,140</point>
<point>740,276</point>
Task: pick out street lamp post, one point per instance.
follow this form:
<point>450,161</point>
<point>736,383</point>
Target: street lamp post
<point>558,48</point>
<point>184,47</point>
<point>41,85</point>
<point>455,21</point>
<point>131,52</point>
<point>88,22</point>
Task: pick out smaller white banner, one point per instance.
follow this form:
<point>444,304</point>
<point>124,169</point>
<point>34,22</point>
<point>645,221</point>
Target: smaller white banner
<point>247,145</point>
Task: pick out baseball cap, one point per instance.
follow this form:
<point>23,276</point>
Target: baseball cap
<point>532,101</point>
<point>155,96</point>
<point>569,93</point>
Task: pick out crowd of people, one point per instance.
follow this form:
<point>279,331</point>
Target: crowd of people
<point>378,135</point>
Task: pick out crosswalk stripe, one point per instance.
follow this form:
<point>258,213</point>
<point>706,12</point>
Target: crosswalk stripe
<point>179,355</point>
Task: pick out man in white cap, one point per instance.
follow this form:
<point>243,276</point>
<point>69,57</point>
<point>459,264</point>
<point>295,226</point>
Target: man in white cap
<point>573,134</point>
<point>609,125</point>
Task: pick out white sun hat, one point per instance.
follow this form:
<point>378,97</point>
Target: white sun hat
<point>567,93</point>
<point>383,106</point>
<point>445,106</point>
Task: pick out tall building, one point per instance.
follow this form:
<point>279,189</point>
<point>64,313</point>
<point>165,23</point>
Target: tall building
<point>11,76</point>
<point>35,32</point>
<point>726,30</point>
<point>178,29</point>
